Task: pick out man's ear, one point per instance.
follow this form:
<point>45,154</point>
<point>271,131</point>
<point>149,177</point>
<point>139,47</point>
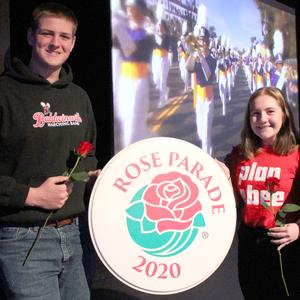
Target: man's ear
<point>30,36</point>
<point>74,40</point>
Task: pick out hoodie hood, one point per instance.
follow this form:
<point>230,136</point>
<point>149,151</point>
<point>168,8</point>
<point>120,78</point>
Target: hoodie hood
<point>19,71</point>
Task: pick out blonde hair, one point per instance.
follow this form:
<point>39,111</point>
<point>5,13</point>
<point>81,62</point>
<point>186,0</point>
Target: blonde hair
<point>286,139</point>
<point>52,9</point>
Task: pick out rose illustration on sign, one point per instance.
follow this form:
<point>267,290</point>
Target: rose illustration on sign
<point>171,201</point>
<point>164,217</point>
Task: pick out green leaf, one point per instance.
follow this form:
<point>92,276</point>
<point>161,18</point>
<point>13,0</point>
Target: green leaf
<point>279,223</point>
<point>290,207</point>
<point>148,226</point>
<point>136,210</point>
<point>80,176</point>
<point>265,205</point>
<point>199,221</point>
<point>281,214</point>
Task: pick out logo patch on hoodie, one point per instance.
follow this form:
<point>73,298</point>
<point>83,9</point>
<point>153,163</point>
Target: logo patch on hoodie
<point>46,117</point>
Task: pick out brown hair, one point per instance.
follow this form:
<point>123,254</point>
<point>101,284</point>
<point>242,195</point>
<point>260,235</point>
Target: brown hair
<point>52,9</point>
<point>286,139</point>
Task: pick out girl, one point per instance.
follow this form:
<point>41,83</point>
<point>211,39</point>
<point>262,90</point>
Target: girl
<point>268,151</point>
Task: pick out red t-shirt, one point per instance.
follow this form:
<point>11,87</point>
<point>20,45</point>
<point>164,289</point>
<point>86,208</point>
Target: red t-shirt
<point>249,180</point>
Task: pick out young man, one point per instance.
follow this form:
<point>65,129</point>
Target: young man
<point>43,118</point>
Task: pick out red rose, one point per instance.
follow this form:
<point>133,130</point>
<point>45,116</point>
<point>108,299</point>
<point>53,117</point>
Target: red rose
<point>81,151</point>
<point>171,200</point>
<point>271,184</point>
<point>84,148</point>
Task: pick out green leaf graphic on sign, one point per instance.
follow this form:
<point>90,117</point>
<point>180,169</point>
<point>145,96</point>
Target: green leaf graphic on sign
<point>148,226</point>
<point>199,221</point>
<point>136,210</point>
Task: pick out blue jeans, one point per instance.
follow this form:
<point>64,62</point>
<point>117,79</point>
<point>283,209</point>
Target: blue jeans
<point>54,269</point>
<point>90,257</point>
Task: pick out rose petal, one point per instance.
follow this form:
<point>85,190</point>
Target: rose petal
<point>172,201</point>
<point>171,225</point>
<point>84,148</point>
<point>157,212</point>
<point>189,212</point>
<point>151,195</point>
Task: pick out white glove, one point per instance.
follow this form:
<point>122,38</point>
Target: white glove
<point>158,39</point>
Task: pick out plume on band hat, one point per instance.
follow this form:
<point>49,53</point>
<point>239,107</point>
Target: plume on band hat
<point>278,44</point>
<point>200,29</point>
<point>202,16</point>
<point>160,12</point>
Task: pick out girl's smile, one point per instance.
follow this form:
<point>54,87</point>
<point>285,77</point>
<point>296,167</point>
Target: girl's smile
<point>266,118</point>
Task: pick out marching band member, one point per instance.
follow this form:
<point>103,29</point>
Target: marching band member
<point>121,42</point>
<point>259,72</point>
<point>133,94</point>
<point>278,74</point>
<point>222,79</point>
<point>183,55</point>
<point>204,65</point>
<point>229,72</point>
<point>160,58</point>
<point>259,69</point>
<point>247,68</point>
<point>267,68</point>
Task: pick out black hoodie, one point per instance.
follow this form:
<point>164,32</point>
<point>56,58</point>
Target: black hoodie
<point>40,126</point>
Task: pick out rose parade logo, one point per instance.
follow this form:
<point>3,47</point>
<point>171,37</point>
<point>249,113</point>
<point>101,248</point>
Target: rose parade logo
<point>162,220</point>
<point>164,217</point>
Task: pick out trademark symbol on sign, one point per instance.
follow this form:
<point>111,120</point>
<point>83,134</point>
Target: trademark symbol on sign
<point>205,234</point>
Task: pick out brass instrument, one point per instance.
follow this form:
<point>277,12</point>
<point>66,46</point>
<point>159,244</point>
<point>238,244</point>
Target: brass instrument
<point>196,50</point>
<point>193,44</point>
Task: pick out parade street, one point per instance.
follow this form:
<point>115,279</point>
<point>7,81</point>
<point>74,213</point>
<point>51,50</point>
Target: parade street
<point>177,118</point>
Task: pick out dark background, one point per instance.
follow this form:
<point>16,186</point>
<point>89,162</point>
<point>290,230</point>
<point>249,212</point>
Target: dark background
<point>91,65</point>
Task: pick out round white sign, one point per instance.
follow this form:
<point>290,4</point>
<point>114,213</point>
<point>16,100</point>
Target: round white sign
<point>162,215</point>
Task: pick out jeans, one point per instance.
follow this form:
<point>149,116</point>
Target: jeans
<point>90,257</point>
<point>54,269</point>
